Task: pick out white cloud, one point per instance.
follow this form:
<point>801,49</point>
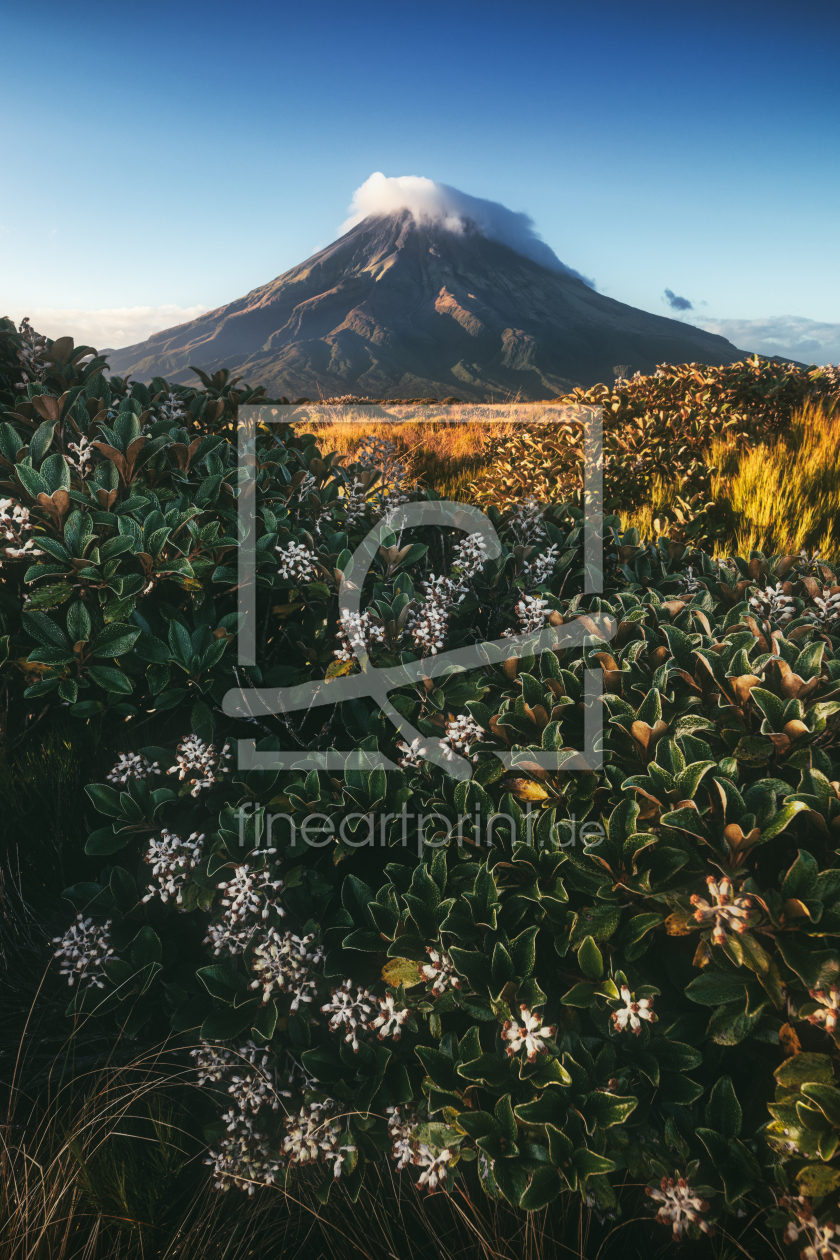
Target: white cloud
<point>430,201</point>
<point>110,327</point>
<point>791,336</point>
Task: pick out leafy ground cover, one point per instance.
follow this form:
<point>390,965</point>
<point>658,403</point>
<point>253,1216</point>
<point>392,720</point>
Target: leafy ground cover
<point>570,1000</point>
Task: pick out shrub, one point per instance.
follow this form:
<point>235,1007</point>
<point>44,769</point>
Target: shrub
<point>658,431</point>
<point>635,980</point>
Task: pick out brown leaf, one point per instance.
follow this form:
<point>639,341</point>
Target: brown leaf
<point>116,457</point>
<point>789,1041</point>
<point>62,349</point>
<point>679,923</point>
<point>46,406</point>
<point>743,685</point>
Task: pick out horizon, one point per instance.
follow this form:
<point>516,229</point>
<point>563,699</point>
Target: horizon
<point>648,154</point>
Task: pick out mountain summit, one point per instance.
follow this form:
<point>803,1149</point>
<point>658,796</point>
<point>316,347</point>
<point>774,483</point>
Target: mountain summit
<point>405,306</point>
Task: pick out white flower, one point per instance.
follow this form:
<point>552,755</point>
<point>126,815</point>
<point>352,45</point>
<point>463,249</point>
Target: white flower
<point>402,1121</point>
<point>532,611</point>
<point>434,1166</point>
<point>201,761</point>
<point>527,522</point>
<point>633,1012</point>
<point>679,1206</point>
<point>229,937</point>
<point>389,1021</point>
<point>132,766</point>
<point>773,604</point>
<point>428,623</point>
<point>828,606</point>
<point>315,1135</point>
<point>440,972</point>
<point>83,949</point>
<point>251,891</point>
<point>296,562</point>
<point>460,733</point>
<point>243,1159</point>
<point>84,455</point>
<point>830,1002</point>
<point>171,408</point>
<point>529,1033</point>
<point>286,963</point>
<point>358,633</point>
<point>14,523</point>
<point>540,569</point>
<point>347,1011</point>
<point>729,914</point>
<point>470,556</point>
<point>413,754</point>
<point>171,860</point>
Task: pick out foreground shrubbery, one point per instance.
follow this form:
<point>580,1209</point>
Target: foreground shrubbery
<point>636,980</point>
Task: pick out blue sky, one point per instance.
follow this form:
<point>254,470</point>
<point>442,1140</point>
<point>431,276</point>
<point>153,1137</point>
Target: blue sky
<point>168,157</point>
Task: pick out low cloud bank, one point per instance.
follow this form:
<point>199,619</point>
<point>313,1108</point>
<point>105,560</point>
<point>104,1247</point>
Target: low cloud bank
<point>430,201</point>
<point>110,327</point>
<point>791,336</point>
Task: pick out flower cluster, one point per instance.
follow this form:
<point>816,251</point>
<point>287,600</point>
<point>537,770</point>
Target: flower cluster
<point>532,611</point>
<point>728,913</point>
<point>540,569</point>
<point>171,408</point>
<point>439,971</point>
<point>428,623</point>
<point>526,522</point>
<point>433,1167</point>
<point>679,1206</point>
<point>251,890</point>
<point>296,563</point>
<point>285,963</point>
<point>33,354</point>
<point>315,1135</point>
<point>172,860</point>
<point>349,1011</point>
<point>461,733</point>
<point>773,604</point>
<point>402,1121</point>
<point>413,754</point>
<point>84,949</point>
<point>82,455</point>
<point>132,766</point>
<point>830,1003</point>
<point>633,1012</point>
<point>528,1033</point>
<point>828,606</point>
<point>14,523</point>
<point>357,632</point>
<point>470,557</point>
<point>199,763</point>
<point>361,1013</point>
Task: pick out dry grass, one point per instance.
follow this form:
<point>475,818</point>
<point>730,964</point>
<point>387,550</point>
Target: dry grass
<point>786,495</point>
<point>445,456</point>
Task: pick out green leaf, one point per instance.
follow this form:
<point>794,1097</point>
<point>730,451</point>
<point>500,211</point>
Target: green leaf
<point>114,640</point>
<point>723,1112</point>
<point>544,1188</point>
<point>222,982</point>
<point>714,988</point>
<point>590,960</point>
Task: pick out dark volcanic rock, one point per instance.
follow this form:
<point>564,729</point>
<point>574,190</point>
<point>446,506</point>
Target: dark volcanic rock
<point>397,309</point>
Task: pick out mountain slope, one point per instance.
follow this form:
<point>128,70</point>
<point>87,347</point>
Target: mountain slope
<point>401,309</point>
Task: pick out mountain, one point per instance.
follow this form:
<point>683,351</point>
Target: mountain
<point>401,308</point>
